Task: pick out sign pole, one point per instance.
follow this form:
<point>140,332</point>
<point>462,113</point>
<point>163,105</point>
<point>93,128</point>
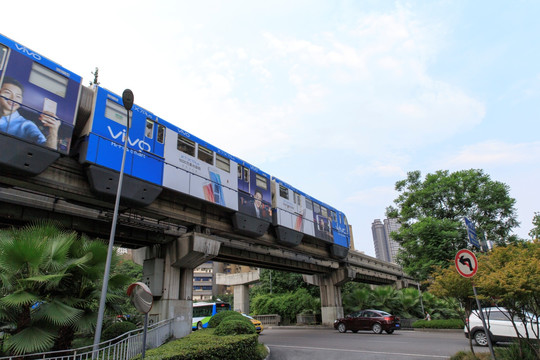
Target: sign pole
<point>467,266</point>
<point>481,314</point>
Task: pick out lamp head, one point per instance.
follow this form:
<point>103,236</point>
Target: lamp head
<point>127,98</point>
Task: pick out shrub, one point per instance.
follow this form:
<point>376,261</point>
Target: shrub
<point>117,329</point>
<point>439,324</point>
<point>234,326</point>
<point>205,345</point>
<point>222,315</point>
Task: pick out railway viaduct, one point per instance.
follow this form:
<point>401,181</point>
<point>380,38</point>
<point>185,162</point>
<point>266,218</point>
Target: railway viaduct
<point>177,233</point>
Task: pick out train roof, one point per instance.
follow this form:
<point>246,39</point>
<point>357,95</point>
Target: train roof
<point>281,182</point>
<point>212,147</point>
<point>39,58</point>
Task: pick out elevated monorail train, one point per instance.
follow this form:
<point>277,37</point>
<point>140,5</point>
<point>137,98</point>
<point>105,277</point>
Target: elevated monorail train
<point>48,113</point>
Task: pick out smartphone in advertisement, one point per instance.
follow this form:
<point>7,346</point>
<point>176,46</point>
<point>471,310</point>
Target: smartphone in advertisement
<point>49,106</point>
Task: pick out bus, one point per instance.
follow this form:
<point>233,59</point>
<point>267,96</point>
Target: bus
<point>203,311</point>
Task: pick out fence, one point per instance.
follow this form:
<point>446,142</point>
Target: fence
<point>272,319</point>
<point>123,347</point>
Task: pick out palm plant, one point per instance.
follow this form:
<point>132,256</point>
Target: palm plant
<point>33,261</point>
<point>384,298</point>
<point>50,282</point>
<point>82,289</point>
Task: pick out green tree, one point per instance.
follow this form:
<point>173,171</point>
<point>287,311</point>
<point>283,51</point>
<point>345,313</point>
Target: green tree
<point>431,215</point>
<point>279,282</point>
<point>535,231</point>
<point>510,277</point>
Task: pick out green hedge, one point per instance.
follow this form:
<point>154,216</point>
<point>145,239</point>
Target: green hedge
<point>222,315</point>
<point>439,324</point>
<point>205,345</point>
<point>235,326</point>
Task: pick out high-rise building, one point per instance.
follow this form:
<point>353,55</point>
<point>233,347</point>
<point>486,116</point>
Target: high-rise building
<point>385,248</point>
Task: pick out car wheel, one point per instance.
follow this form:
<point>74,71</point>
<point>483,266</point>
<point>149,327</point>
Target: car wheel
<point>480,338</point>
<point>389,331</point>
<point>342,328</point>
<point>199,325</point>
<point>376,328</point>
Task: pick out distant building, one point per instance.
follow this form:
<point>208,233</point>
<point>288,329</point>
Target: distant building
<point>386,249</point>
<point>204,279</point>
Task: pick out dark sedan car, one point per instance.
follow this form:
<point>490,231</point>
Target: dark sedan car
<point>374,320</point>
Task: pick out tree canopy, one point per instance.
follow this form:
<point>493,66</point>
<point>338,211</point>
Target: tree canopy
<point>431,213</point>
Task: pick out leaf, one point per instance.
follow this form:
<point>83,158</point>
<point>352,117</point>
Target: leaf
<point>58,313</point>
<point>31,339</point>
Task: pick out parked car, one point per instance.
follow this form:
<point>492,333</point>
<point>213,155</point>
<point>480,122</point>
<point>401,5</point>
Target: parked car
<point>374,320</point>
<point>500,326</point>
<point>258,325</point>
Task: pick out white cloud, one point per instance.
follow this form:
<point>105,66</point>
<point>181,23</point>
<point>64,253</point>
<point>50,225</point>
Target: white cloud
<point>494,154</point>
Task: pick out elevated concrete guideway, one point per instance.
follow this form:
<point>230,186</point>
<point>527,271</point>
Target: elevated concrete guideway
<point>180,233</point>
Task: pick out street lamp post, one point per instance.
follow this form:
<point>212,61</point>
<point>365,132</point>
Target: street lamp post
<point>127,98</point>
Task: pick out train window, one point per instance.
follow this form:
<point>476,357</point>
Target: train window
<point>48,80</point>
<point>223,163</point>
<point>149,130</point>
<point>161,134</point>
<point>316,208</point>
<point>116,112</point>
<point>334,215</point>
<point>185,145</point>
<point>205,155</point>
<point>260,181</point>
<point>309,204</point>
<point>246,174</point>
<point>239,171</point>
<point>345,220</point>
<point>283,192</point>
<point>296,198</point>
<point>324,212</point>
<point>3,53</point>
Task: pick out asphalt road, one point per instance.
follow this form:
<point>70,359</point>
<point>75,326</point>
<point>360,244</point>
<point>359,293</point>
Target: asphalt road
<point>314,343</point>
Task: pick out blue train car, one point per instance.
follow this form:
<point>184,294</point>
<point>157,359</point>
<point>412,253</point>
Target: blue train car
<point>199,169</point>
<point>101,148</point>
<point>38,105</point>
<point>254,213</point>
<point>296,214</point>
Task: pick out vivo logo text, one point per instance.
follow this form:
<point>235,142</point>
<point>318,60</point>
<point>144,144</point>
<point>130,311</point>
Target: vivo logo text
<point>137,143</point>
<point>24,50</point>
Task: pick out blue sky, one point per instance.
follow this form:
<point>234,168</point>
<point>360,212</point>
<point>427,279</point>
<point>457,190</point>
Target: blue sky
<point>338,98</point>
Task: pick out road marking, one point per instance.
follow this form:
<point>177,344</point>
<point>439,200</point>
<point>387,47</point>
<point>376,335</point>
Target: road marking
<point>358,351</point>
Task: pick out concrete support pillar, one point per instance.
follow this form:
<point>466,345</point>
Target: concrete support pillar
<point>241,283</point>
<point>241,298</point>
<point>330,288</point>
<point>181,257</point>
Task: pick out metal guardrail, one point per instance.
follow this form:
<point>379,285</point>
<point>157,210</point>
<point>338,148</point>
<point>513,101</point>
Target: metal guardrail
<point>123,347</point>
<point>272,319</point>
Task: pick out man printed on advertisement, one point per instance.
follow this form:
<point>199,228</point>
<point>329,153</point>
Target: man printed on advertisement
<point>13,123</point>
